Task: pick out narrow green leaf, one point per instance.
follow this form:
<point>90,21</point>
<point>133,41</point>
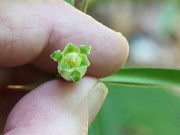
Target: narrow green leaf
<point>84,61</point>
<point>70,48</point>
<point>85,49</point>
<point>57,55</point>
<point>76,76</point>
<point>151,77</point>
<point>70,1</point>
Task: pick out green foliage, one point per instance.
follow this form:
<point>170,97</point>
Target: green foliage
<point>79,4</point>
<point>70,1</point>
<point>151,77</point>
<point>138,111</point>
<point>147,110</point>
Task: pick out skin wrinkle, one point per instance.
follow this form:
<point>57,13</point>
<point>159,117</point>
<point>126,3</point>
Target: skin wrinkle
<point>74,36</point>
<point>14,22</point>
<point>78,29</point>
<point>67,35</point>
<point>9,29</point>
<point>17,29</point>
<point>17,39</point>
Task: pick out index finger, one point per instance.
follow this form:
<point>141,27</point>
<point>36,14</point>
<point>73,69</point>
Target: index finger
<point>56,26</point>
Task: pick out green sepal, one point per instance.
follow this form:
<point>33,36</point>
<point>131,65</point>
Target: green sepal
<point>64,66</point>
<point>84,61</point>
<point>85,49</point>
<point>57,56</point>
<point>76,76</point>
<point>70,48</point>
<point>82,70</point>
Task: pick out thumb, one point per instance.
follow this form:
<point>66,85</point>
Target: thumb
<point>57,108</point>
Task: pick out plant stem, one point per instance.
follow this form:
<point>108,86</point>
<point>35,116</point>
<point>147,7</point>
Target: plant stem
<point>81,5</point>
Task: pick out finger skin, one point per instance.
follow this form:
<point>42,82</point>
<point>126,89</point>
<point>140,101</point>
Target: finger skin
<point>31,31</point>
<point>54,108</point>
<point>21,23</point>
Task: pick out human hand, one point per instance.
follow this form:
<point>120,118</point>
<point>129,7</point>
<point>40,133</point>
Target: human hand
<point>29,32</point>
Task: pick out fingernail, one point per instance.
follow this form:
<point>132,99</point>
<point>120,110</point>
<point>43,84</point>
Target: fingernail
<point>95,100</point>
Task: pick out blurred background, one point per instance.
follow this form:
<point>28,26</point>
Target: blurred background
<point>152,28</point>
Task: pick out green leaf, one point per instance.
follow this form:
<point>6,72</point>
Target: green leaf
<point>152,77</point>
<point>85,49</point>
<point>70,1</point>
<point>76,76</point>
<point>84,61</point>
<point>57,56</point>
<point>70,48</point>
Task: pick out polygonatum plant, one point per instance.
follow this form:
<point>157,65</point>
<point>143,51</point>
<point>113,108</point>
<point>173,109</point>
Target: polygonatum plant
<point>72,62</point>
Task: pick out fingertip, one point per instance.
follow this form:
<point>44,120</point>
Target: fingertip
<point>109,55</point>
<point>124,49</point>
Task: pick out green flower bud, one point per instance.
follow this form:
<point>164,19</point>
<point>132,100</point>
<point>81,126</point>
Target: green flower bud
<point>72,62</point>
